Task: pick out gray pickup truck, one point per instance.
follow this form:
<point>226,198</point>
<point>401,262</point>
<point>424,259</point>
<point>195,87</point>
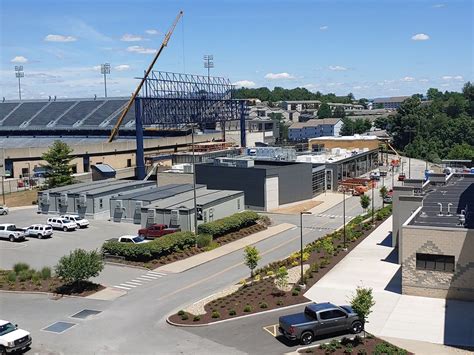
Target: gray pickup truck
<point>319,319</point>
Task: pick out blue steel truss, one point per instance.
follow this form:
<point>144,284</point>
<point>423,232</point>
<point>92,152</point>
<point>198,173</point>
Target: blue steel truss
<point>174,100</point>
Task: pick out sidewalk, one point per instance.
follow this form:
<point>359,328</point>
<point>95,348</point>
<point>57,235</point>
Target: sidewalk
<point>196,260</point>
<point>373,263</point>
<point>330,199</point>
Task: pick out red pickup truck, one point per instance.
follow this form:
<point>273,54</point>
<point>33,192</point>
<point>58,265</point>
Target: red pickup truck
<point>156,231</point>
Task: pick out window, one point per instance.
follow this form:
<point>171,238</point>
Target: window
<point>310,313</point>
<point>337,313</point>
<point>101,203</point>
<point>238,203</point>
<point>435,262</point>
<point>325,315</point>
<point>129,163</point>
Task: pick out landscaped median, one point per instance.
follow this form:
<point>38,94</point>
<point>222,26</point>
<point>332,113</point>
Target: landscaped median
<point>181,245</point>
<point>276,285</point>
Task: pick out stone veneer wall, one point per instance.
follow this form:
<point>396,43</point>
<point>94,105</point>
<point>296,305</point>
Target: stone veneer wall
<point>442,241</point>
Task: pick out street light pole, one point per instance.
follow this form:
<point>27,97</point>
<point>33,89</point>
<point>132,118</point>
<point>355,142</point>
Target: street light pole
<point>105,70</point>
<point>344,217</point>
<point>194,182</point>
<point>302,284</point>
<point>373,188</point>
<point>19,74</point>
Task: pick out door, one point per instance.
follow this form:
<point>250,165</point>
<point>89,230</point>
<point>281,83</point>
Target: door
<point>272,199</point>
<point>332,321</point>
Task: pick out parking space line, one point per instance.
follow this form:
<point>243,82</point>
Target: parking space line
<point>271,329</point>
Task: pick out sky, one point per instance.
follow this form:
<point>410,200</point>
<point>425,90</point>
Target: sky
<point>370,48</point>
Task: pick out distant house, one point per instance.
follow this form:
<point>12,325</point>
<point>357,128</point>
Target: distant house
<point>391,103</point>
<point>302,131</point>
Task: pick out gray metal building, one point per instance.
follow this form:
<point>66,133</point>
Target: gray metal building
<point>178,211</point>
<point>89,200</point>
<point>127,206</point>
<point>267,184</point>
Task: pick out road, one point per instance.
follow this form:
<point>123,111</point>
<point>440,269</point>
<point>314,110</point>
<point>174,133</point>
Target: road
<point>135,323</point>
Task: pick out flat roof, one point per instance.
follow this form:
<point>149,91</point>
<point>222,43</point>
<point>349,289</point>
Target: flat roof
<point>459,191</point>
<point>111,188</point>
<point>82,186</point>
<point>186,199</point>
<point>355,137</point>
<point>157,193</point>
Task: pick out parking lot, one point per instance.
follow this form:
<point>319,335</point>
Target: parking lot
<point>47,251</point>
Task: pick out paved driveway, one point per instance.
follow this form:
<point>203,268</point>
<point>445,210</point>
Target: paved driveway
<point>373,264</point>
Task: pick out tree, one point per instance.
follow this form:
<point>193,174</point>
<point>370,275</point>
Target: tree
<point>252,256</point>
<point>80,265</point>
<point>347,128</point>
<point>324,111</point>
<point>281,278</point>
<point>383,192</point>
<point>461,151</point>
<point>433,94</point>
<point>364,201</point>
<point>58,158</point>
<point>328,246</point>
<point>362,302</point>
<point>339,112</point>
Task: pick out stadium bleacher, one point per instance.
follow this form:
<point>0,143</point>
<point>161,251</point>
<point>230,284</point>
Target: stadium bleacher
<point>23,113</point>
<point>6,108</point>
<point>51,113</point>
<point>103,113</point>
<point>78,112</point>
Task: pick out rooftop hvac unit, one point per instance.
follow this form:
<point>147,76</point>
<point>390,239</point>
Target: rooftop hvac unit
<point>82,200</point>
<point>174,217</point>
<point>63,199</point>
<point>138,205</point>
<point>118,205</point>
<point>150,217</point>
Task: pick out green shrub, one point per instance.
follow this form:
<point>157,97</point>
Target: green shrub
<point>19,267</point>
<point>185,316</point>
<point>362,352</point>
<point>349,348</point>
<point>46,273</point>
<point>11,276</point>
<point>180,312</point>
<point>212,245</point>
<point>295,292</point>
<point>24,275</point>
<point>229,224</point>
<point>196,318</point>
<point>280,302</point>
<point>155,249</point>
<point>203,240</point>
<point>215,314</point>
<point>263,305</point>
<point>232,312</point>
<point>79,265</point>
<point>36,277</point>
<point>386,348</point>
<point>248,308</point>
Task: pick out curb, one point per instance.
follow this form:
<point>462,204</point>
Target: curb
<point>126,265</point>
<point>42,293</point>
<point>235,318</point>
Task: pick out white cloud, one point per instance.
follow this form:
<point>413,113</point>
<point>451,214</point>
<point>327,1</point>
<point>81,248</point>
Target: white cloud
<point>408,79</point>
<point>127,37</point>
<point>337,68</point>
<point>122,67</point>
<point>324,28</point>
<point>438,6</point>
<point>278,76</point>
<point>357,87</point>
<point>19,59</point>
<point>244,83</point>
<point>152,32</point>
<point>96,67</point>
<point>423,80</point>
<point>141,50</point>
<point>60,38</point>
<point>420,37</point>
<point>334,84</point>
<point>449,77</point>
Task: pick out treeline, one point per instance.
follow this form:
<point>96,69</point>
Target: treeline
<point>441,128</point>
<point>281,94</point>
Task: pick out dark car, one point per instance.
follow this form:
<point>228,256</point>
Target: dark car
<point>319,319</point>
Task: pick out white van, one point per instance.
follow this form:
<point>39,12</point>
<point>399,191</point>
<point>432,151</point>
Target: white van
<point>80,222</point>
<point>62,223</point>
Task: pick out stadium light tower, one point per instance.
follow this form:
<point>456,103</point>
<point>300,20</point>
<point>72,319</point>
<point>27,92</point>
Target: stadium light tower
<point>19,74</point>
<point>105,70</point>
<point>208,63</point>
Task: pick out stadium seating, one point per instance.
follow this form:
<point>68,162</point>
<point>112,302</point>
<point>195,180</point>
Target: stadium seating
<point>23,113</point>
<point>6,108</point>
<point>51,113</point>
<point>78,112</point>
<point>104,112</point>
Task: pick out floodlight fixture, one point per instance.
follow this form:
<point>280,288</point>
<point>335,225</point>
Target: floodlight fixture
<point>105,70</point>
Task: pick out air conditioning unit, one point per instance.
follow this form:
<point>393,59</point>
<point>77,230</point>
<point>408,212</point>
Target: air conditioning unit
<point>118,205</point>
<point>150,217</point>
<point>44,198</point>
<point>63,200</point>
<point>138,206</point>
<point>82,200</point>
<point>174,219</point>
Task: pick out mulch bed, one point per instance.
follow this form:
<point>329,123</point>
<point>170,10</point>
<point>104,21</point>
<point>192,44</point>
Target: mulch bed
<point>368,345</point>
<point>51,285</point>
<point>262,295</point>
<point>180,255</point>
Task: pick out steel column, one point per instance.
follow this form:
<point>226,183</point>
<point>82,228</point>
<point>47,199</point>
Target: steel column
<point>140,155</point>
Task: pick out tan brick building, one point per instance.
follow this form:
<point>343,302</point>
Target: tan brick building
<point>436,242</point>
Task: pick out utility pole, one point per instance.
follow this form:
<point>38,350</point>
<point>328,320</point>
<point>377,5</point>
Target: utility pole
<point>344,216</point>
<point>194,183</point>
<point>19,74</point>
<point>105,70</point>
<point>302,284</point>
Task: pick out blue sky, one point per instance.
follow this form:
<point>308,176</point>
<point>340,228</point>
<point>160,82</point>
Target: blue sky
<point>370,48</point>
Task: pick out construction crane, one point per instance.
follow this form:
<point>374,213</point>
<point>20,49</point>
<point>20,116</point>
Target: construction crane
<point>115,130</point>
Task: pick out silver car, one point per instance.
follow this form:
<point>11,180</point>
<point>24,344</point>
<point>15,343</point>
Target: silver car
<point>3,210</point>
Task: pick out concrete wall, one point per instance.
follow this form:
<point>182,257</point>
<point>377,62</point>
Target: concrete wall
<point>402,209</point>
<point>457,242</point>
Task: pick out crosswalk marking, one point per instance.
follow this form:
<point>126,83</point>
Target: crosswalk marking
<point>140,280</point>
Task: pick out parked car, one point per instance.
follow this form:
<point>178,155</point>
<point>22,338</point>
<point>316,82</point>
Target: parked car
<point>156,231</point>
<point>375,175</point>
<point>11,232</point>
<point>4,210</point>
<point>80,222</point>
<point>12,338</point>
<point>401,177</point>
<point>135,239</point>
<point>39,231</point>
<point>62,223</point>
<point>319,319</point>
<point>387,199</point>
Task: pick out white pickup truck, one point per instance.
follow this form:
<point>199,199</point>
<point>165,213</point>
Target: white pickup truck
<point>133,239</point>
<point>11,232</point>
<point>12,338</point>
